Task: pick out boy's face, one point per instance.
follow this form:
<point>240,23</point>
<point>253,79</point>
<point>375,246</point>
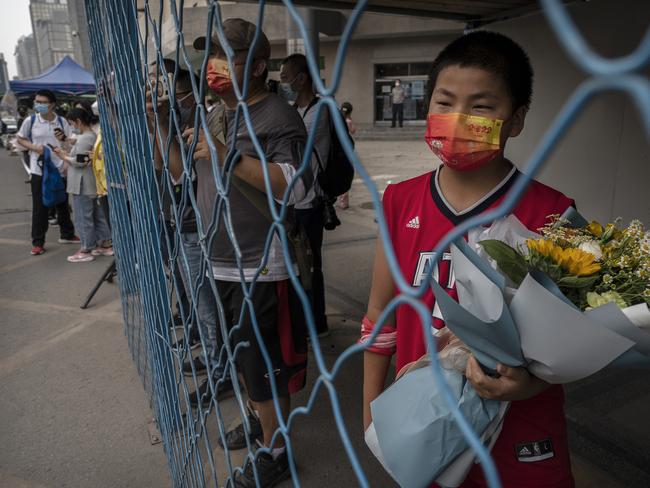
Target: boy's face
<point>475,91</point>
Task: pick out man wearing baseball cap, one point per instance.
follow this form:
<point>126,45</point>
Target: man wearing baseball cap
<point>276,307</point>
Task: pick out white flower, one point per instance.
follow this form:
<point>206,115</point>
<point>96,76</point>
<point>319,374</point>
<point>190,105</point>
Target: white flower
<point>592,247</point>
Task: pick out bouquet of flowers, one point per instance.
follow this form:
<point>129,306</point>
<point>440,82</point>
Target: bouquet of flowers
<point>575,296</point>
<point>592,265</point>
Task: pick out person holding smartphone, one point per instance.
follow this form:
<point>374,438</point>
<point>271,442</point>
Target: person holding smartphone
<point>89,216</point>
<point>35,132</point>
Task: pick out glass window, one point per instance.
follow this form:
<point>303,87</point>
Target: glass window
<point>392,69</point>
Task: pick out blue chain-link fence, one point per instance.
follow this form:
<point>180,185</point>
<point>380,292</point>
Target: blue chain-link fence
<point>150,254</point>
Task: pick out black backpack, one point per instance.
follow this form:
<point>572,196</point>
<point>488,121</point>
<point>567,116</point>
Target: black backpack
<point>336,178</point>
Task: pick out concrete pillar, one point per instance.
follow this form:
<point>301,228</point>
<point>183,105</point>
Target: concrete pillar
<point>295,43</point>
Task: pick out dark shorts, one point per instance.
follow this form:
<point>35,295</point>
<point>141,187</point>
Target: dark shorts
<point>282,329</point>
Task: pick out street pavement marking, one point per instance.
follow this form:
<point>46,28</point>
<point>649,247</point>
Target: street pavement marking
<point>9,480</point>
<point>25,354</point>
<point>13,224</point>
<point>32,260</point>
<point>111,312</point>
<point>14,242</point>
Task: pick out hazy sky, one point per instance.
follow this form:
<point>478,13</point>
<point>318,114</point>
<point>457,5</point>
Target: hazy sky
<point>14,22</point>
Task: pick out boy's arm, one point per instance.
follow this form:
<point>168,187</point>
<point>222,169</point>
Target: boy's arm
<point>375,366</point>
<point>24,141</point>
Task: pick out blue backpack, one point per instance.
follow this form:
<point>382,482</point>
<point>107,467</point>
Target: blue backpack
<point>53,186</point>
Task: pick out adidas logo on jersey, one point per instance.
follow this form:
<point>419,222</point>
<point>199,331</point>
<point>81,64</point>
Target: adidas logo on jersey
<point>414,223</point>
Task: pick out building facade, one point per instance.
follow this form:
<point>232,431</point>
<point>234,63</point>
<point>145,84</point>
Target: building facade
<point>384,48</point>
<point>80,36</point>
<point>4,75</point>
<point>52,31</point>
<point>26,57</point>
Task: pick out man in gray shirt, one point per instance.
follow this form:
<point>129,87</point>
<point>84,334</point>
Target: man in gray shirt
<point>398,94</point>
<point>229,210</point>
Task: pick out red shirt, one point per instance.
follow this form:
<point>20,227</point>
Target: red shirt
<point>532,450</point>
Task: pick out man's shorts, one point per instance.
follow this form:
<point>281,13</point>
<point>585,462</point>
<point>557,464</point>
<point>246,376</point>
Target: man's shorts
<point>281,323</point>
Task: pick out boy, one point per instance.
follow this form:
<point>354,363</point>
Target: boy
<point>482,80</point>
<point>33,137</point>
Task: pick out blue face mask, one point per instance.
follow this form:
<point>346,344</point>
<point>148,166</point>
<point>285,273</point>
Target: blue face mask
<point>42,108</point>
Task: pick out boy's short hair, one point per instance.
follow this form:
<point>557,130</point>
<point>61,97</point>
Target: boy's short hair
<point>492,52</point>
<point>49,94</point>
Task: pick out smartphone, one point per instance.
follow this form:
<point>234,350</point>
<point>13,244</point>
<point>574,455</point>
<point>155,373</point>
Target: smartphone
<point>162,85</point>
<point>50,146</point>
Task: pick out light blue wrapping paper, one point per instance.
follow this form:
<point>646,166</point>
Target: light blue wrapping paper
<point>417,433</point>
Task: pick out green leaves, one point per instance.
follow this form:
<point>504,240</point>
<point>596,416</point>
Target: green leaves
<point>577,281</point>
<point>511,262</point>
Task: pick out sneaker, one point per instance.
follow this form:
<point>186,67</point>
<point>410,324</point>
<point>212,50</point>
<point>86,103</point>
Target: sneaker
<point>103,251</point>
<point>269,471</point>
<point>53,221</point>
<point>199,365</point>
<point>37,250</point>
<point>236,438</point>
<point>204,395</point>
<point>81,257</point>
<point>69,240</point>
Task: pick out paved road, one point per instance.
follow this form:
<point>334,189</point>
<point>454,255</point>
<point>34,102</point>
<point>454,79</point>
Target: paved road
<point>75,414</point>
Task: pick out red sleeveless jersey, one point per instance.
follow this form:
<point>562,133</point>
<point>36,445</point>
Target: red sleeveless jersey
<point>532,450</point>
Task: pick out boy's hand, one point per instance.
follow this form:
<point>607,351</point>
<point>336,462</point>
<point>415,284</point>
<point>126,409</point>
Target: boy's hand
<point>513,383</point>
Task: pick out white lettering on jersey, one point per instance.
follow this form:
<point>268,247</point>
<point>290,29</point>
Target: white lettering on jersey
<point>420,274</point>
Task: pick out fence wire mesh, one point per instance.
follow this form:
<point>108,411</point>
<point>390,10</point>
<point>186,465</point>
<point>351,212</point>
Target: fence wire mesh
<point>155,269</point>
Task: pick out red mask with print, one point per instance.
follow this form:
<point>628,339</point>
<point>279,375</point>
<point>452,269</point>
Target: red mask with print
<point>463,142</point>
<point>218,75</point>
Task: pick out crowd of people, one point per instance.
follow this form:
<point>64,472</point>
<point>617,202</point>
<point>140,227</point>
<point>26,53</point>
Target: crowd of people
<point>481,78</point>
<point>69,141</point>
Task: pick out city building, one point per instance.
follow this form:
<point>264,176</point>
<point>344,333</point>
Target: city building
<point>26,57</point>
<point>52,31</point>
<point>4,75</point>
<point>80,37</point>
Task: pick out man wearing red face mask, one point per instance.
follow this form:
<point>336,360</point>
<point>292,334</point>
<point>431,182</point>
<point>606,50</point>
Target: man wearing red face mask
<point>281,135</point>
<point>481,90</point>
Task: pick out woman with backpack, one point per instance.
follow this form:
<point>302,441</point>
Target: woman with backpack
<point>89,217</point>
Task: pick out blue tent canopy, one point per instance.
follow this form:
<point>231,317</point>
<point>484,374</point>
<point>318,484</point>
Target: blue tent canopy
<point>65,77</point>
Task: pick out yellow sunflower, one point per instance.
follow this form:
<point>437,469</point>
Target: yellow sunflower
<point>575,261</point>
